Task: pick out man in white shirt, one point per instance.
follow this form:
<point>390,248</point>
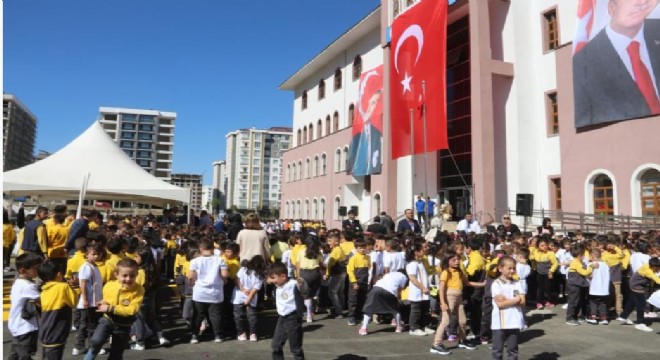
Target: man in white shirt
<point>468,224</point>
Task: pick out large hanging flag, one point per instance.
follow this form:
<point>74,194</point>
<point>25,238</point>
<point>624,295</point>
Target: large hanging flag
<point>417,57</point>
<point>365,156</point>
<point>586,15</point>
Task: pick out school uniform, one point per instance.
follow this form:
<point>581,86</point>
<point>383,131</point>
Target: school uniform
<point>73,265</point>
<point>310,272</point>
<point>506,323</point>
<point>123,307</point>
<point>487,303</point>
<point>546,263</point>
<point>419,302</point>
<point>599,290</point>
<point>89,318</point>
<point>233,267</point>
<point>383,297</point>
<point>640,282</point>
<point>475,271</point>
<point>57,303</point>
<point>289,322</point>
<point>563,256</point>
<point>614,260</point>
<point>208,292</point>
<point>24,331</point>
<point>336,271</point>
<point>577,288</point>
<point>394,260</point>
<point>358,273</point>
<point>242,313</point>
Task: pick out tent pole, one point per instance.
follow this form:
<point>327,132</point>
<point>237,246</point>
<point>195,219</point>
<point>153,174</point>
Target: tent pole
<point>81,196</point>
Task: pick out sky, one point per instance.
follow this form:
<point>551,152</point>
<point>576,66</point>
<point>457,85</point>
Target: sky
<point>216,63</point>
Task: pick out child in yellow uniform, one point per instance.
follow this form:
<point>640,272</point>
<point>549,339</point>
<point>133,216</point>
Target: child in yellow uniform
<point>358,276</point>
<point>71,275</point>
<point>546,265</point>
<point>57,303</point>
<point>230,255</point>
<point>8,237</point>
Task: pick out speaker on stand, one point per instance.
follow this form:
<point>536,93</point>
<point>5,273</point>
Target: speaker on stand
<point>525,206</point>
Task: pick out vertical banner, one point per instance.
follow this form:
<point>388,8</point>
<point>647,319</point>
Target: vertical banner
<point>616,61</point>
<point>366,146</point>
<point>418,53</point>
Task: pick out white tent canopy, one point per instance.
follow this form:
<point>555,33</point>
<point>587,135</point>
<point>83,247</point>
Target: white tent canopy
<point>112,174</point>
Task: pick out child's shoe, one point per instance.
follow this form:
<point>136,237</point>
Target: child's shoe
<point>362,331</point>
<point>604,322</point>
<point>539,306</point>
<point>137,346</point>
<point>625,321</point>
<point>592,321</point>
<point>399,329</point>
<point>466,345</point>
<point>643,327</point>
<point>242,337</point>
<point>253,337</point>
<point>193,340</point>
<point>440,349</point>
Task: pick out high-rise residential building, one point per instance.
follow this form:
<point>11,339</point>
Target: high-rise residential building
<point>207,198</point>
<point>193,181</point>
<point>220,184</point>
<point>254,166</point>
<point>147,136</point>
<point>19,131</point>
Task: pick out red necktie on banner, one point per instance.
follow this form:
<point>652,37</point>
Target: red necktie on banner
<point>417,56</point>
<point>643,78</point>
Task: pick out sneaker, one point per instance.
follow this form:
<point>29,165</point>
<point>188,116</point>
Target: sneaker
<point>470,337</point>
<point>418,332</point>
<point>362,331</point>
<point>440,349</point>
<point>193,340</point>
<point>643,327</point>
<point>604,322</point>
<point>581,320</point>
<point>572,322</point>
<point>253,337</point>
<point>376,319</point>
<point>466,345</point>
<point>242,337</point>
<point>76,352</point>
<point>539,306</point>
<point>399,329</point>
<point>218,339</point>
<point>452,338</point>
<point>351,322</point>
<point>565,306</point>
<point>73,328</point>
<point>309,319</point>
<point>650,315</point>
<point>625,321</point>
<point>484,341</point>
<point>137,346</point>
<point>592,321</point>
<point>103,352</point>
<point>429,331</point>
<point>393,323</point>
<point>549,304</point>
<point>163,341</point>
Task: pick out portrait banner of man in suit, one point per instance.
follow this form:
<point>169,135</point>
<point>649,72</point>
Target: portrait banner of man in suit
<point>616,61</point>
<point>365,154</point>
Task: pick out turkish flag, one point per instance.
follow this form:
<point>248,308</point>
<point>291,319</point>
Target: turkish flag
<point>417,78</point>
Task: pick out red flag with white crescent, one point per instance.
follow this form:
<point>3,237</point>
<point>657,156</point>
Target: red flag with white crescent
<point>417,78</point>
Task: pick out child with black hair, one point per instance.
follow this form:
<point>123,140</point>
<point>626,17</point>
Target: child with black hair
<point>508,302</point>
<point>23,324</point>
<point>384,299</point>
<point>640,281</point>
<point>546,265</point>
<point>188,309</point>
<point>357,269</point>
<point>230,251</point>
<point>577,285</point>
<point>57,303</point>
<point>309,267</point>
<point>336,273</point>
<point>248,282</point>
<point>418,292</point>
<point>147,318</point>
<point>599,290</point>
<point>476,271</point>
<point>115,248</point>
<point>91,292</point>
<point>288,299</point>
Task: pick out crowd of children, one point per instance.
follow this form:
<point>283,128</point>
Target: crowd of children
<point>464,288</point>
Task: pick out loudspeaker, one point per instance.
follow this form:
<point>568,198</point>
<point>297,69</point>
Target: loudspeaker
<point>342,211</point>
<point>524,204</point>
<point>354,209</point>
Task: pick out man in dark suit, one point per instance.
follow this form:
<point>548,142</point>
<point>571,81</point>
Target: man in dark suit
<point>365,157</point>
<point>351,224</point>
<point>616,75</point>
<point>408,223</point>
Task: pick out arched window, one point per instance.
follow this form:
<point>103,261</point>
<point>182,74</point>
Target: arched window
<point>315,209</point>
<point>297,210</point>
<point>307,168</point>
<point>650,183</point>
<point>327,125</point>
<point>322,210</point>
<point>335,122</point>
<point>337,79</point>
<point>324,164</point>
<point>288,172</point>
<point>299,137</point>
<point>336,209</point>
<point>603,195</point>
<point>357,67</point>
<point>304,135</point>
<point>376,204</point>
<point>299,172</point>
<point>311,133</point>
<point>293,173</point>
<point>338,160</point>
<point>306,210</point>
<point>351,114</point>
<point>321,89</point>
<point>304,100</point>
<point>396,8</point>
<point>409,3</point>
<point>319,129</point>
<point>344,159</point>
<point>315,166</point>
<point>287,209</point>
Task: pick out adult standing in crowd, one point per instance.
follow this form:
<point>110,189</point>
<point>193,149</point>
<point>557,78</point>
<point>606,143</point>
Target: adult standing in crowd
<point>408,223</point>
<point>235,225</point>
<point>468,224</point>
<point>507,228</point>
<point>253,239</point>
<point>351,224</point>
<point>80,228</point>
<point>387,221</point>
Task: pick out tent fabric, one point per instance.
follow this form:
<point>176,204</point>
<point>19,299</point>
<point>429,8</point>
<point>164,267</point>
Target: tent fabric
<point>113,175</point>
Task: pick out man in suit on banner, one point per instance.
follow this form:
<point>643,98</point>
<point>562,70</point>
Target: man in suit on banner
<point>365,153</point>
<point>616,75</point>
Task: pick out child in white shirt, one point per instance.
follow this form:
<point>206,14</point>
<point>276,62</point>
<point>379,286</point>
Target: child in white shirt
<point>23,323</point>
<point>507,315</point>
<point>249,280</point>
<point>288,298</point>
<point>599,290</point>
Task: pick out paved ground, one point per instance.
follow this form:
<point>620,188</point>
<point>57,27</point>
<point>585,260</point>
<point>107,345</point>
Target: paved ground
<point>547,338</point>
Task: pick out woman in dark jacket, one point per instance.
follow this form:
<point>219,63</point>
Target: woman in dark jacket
<point>235,226</point>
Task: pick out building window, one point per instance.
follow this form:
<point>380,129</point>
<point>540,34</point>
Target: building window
<point>550,30</point>
<point>556,189</point>
<point>321,89</point>
<point>376,204</point>
<point>357,67</point>
<point>327,125</point>
<point>650,183</point>
<point>299,171</point>
<point>322,210</point>
<point>304,100</point>
<point>297,210</point>
<point>311,133</point>
<point>396,8</point>
<point>315,209</point>
<point>338,160</point>
<point>337,79</point>
<point>299,137</point>
<point>315,166</point>
<point>351,114</point>
<point>288,172</point>
<point>323,164</point>
<point>335,122</point>
<point>603,195</point>
<point>307,168</point>
<point>344,159</point>
<point>304,134</point>
<point>336,209</point>
<point>306,210</point>
<point>553,113</point>
<point>293,172</point>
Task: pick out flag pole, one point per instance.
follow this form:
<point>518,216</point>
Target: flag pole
<point>412,158</point>
<point>426,178</point>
